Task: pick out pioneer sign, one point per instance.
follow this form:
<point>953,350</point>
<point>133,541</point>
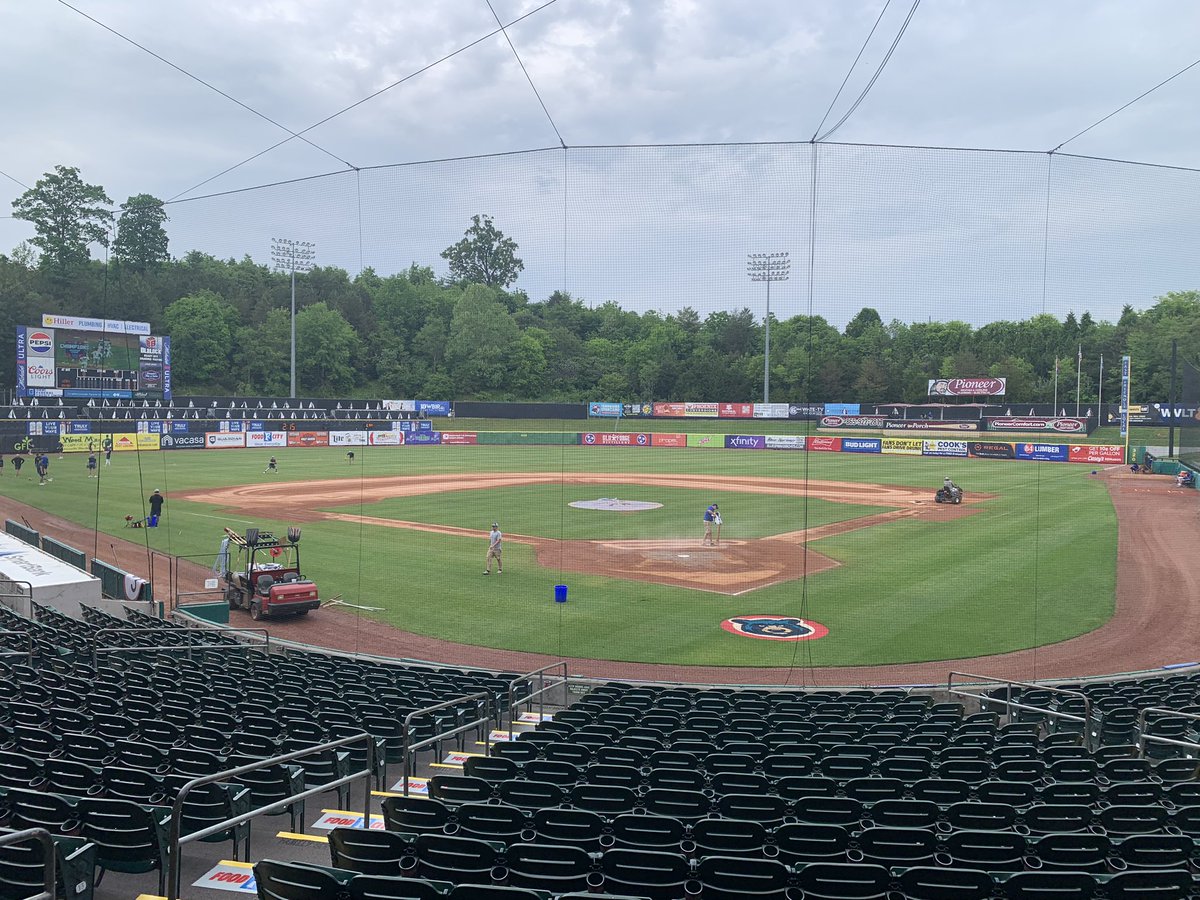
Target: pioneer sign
<point>966,387</point>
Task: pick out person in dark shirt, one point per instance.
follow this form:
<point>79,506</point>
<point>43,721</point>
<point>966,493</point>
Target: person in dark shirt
<point>155,501</point>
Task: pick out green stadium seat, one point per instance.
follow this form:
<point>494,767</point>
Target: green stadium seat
<point>456,859</point>
<point>1079,852</point>
<point>932,883</point>
<point>548,867</point>
<point>576,827</point>
<point>644,873</point>
<point>371,851</point>
<point>992,851</point>
<point>491,822</point>
<point>739,877</point>
<point>844,881</point>
<point>1050,886</point>
<point>21,867</point>
<point>128,837</point>
<point>648,832</point>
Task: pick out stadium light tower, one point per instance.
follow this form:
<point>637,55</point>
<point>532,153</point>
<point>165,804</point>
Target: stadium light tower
<point>768,267</point>
<point>293,256</point>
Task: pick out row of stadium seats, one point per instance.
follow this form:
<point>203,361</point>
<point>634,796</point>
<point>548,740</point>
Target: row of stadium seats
<point>448,868</point>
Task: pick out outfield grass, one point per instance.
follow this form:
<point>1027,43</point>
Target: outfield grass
<point>545,511</point>
<point>1034,566</point>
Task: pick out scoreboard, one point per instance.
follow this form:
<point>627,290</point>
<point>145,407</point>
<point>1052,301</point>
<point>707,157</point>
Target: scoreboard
<point>81,358</point>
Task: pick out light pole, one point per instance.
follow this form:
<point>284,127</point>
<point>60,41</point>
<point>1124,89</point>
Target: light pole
<point>293,256</point>
<point>768,267</point>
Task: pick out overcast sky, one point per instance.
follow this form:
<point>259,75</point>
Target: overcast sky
<point>915,234</point>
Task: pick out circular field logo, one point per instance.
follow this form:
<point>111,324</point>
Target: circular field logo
<point>775,628</point>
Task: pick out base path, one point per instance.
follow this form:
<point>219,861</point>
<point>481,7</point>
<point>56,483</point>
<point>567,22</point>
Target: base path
<point>732,567</point>
<point>1156,620</point>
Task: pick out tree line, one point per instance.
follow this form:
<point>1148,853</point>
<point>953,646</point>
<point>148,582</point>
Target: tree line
<point>471,334</point>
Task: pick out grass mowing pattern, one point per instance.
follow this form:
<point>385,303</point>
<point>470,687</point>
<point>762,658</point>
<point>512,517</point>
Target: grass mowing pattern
<point>534,510</point>
<point>1035,566</point>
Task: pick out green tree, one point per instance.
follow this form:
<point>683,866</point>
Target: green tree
<point>484,255</point>
<point>202,328</point>
<point>482,338</point>
<point>67,215</point>
<point>141,242</point>
<point>326,352</point>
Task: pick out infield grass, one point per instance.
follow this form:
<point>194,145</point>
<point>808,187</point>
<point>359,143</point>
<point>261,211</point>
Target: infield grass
<point>1035,565</point>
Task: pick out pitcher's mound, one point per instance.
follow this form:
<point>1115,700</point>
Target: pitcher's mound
<point>731,567</point>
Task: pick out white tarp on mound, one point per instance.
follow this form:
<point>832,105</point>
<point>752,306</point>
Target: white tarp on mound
<point>55,583</point>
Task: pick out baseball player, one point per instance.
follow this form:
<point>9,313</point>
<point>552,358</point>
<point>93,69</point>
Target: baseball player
<point>272,467</point>
<point>493,552</point>
<point>710,517</point>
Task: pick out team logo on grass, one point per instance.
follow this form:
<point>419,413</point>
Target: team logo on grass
<point>775,628</point>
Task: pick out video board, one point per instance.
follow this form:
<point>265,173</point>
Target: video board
<point>84,359</point>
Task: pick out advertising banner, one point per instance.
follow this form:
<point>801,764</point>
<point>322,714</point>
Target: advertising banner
<point>835,421</point>
<point>422,437</point>
<point>308,438</point>
<point>902,446</point>
<point>400,405</point>
<point>433,407</point>
<point>82,443</point>
<point>991,450</point>
<point>944,448</point>
<point>745,442</point>
<point>181,441</point>
<point>668,440</point>
<point>967,387</point>
<point>385,438</point>
<point>459,437</point>
<point>668,410</point>
<point>21,361</point>
<point>735,410</point>
<point>80,426</point>
<point>347,439</point>
<point>179,428</point>
<point>1105,454</point>
<point>266,439</point>
<point>785,441</point>
<point>701,410</point>
<point>824,444</point>
<point>706,441</point>
<point>412,425</point>
<point>1124,396</point>
<point>223,440</point>
<point>771,411</point>
<point>931,425</point>
<point>604,410</point>
<point>805,410</point>
<point>1043,452</point>
<point>862,445</point>
<point>39,356</point>
<point>841,409</point>
<point>1060,424</point>
<point>642,410</point>
<point>614,439</point>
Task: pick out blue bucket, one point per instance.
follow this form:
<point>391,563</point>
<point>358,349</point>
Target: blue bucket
<point>560,593</point>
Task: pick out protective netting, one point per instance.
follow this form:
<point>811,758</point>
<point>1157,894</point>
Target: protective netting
<point>920,235</point>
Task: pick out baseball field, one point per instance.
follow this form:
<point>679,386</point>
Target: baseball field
<point>851,542</point>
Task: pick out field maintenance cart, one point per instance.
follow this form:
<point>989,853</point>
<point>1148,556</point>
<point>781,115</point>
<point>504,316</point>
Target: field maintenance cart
<point>262,574</point>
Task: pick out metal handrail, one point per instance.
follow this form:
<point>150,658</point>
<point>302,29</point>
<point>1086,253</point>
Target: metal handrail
<point>1143,737</point>
<point>28,596</point>
<point>176,841</point>
<point>410,748</point>
<point>1008,702</point>
<point>265,646</point>
<point>49,858</point>
<point>28,654</point>
<point>540,693</point>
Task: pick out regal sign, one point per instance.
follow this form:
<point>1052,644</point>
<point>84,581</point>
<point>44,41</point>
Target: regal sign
<point>967,387</point>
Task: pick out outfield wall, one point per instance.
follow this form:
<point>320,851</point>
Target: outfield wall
<point>168,437</point>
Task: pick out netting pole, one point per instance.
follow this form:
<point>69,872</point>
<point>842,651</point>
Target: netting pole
<point>1172,400</point>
